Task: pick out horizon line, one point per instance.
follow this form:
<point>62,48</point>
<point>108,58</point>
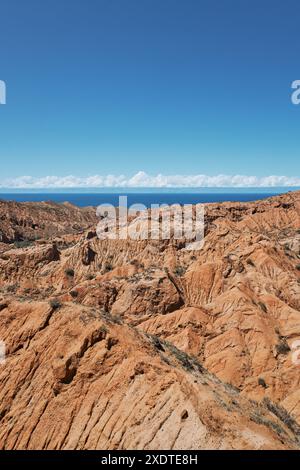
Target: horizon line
<point>143,180</point>
<point>139,189</point>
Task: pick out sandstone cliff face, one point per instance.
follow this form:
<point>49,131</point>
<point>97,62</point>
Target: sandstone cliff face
<point>148,345</point>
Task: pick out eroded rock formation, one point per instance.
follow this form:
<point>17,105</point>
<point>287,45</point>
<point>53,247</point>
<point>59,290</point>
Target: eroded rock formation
<point>142,344</point>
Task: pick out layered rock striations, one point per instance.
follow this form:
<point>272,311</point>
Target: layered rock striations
<point>123,344</point>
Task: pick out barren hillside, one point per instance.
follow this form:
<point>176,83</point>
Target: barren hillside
<point>142,344</point>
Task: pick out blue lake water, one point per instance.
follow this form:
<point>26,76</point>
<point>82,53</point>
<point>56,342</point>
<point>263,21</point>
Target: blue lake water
<point>95,199</point>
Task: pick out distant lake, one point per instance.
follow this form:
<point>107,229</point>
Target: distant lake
<point>95,199</point>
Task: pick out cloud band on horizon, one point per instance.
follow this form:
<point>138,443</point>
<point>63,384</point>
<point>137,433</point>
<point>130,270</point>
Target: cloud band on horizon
<point>144,180</point>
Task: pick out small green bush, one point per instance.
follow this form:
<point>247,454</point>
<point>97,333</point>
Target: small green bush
<point>250,262</point>
<point>70,272</point>
<point>262,382</point>
<point>23,244</point>
<point>157,343</point>
<point>108,267</point>
<point>55,304</point>
<point>135,262</point>
<point>117,319</point>
<point>283,415</point>
<point>12,288</point>
<point>188,362</point>
<point>103,329</point>
<point>282,347</point>
<point>179,271</point>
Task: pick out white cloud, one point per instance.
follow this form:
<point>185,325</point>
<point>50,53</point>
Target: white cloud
<point>144,180</point>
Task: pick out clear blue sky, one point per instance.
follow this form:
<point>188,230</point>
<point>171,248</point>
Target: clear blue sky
<point>164,86</point>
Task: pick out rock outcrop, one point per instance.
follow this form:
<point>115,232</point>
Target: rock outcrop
<point>121,344</point>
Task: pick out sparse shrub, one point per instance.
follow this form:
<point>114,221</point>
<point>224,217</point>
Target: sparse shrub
<point>298,267</point>
<point>134,262</point>
<point>69,272</point>
<point>165,359</point>
<point>23,244</point>
<point>250,262</point>
<point>282,347</point>
<point>111,318</point>
<point>179,271</point>
<point>232,388</point>
<point>283,415</point>
<point>108,267</point>
<point>103,329</point>
<point>189,363</point>
<point>45,273</point>
<point>137,263</point>
<point>157,342</point>
<point>74,294</point>
<point>262,382</point>
<point>12,288</point>
<point>90,277</point>
<point>116,319</point>
<point>260,419</point>
<point>55,304</point>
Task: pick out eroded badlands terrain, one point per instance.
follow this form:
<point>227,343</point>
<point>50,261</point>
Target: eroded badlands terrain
<point>124,344</point>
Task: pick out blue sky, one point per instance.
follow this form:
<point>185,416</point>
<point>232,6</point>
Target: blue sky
<point>120,87</point>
